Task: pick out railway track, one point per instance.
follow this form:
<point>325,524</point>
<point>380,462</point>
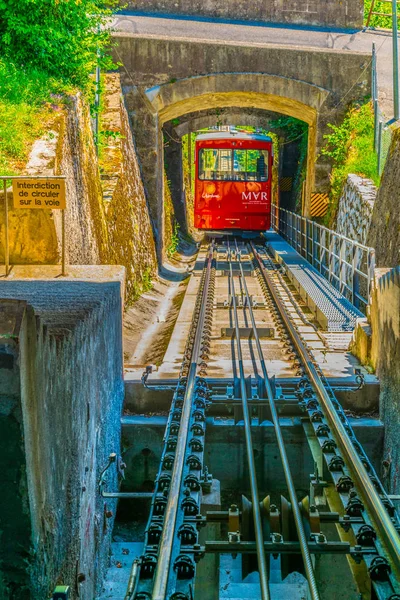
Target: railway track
<point>256,295</point>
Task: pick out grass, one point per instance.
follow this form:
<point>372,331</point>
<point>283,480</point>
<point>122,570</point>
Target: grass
<point>28,100</point>
<point>351,146</point>
<point>174,241</point>
<point>378,20</point>
<point>142,286</point>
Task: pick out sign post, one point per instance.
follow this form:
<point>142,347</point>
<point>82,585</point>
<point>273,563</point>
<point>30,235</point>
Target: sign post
<point>7,240</point>
<point>36,192</point>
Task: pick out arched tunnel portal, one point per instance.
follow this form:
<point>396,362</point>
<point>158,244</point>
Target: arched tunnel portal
<point>179,151</point>
<point>165,78</point>
<point>154,107</point>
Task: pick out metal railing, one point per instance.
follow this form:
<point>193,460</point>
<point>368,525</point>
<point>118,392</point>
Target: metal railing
<point>346,264</point>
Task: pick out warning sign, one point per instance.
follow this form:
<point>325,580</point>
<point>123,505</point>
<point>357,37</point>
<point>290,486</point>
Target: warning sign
<point>39,193</point>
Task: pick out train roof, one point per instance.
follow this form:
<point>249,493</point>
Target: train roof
<point>233,135</point>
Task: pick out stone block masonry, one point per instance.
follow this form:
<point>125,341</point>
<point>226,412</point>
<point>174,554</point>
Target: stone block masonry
<point>356,205</point>
<point>175,77</point>
<point>130,233</point>
<point>61,395</point>
<point>382,352</point>
<point>384,233</point>
<point>332,13</point>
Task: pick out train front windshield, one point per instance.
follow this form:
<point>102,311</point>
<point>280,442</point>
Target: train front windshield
<point>233,165</point>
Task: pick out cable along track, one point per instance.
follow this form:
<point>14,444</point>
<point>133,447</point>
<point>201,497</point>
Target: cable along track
<point>368,510</point>
<point>167,568</point>
<point>168,564</point>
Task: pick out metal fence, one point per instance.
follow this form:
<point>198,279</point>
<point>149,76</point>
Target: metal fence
<point>382,130</point>
<point>347,265</point>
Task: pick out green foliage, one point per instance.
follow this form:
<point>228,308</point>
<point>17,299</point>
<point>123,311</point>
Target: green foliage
<point>47,48</point>
<point>174,241</point>
<point>351,147</point>
<point>63,38</point>
<point>27,99</point>
<point>379,20</point>
<point>4,591</point>
<point>294,128</point>
<point>145,284</point>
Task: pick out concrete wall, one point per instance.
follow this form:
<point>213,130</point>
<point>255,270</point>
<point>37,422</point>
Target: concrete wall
<point>378,344</point>
<point>355,208</point>
<point>333,13</point>
<point>130,233</point>
<point>15,526</point>
<point>61,395</point>
<point>384,234</point>
<point>87,239</point>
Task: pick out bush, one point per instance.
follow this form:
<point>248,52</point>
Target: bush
<point>58,37</point>
<point>25,110</point>
<point>351,146</point>
<point>379,20</point>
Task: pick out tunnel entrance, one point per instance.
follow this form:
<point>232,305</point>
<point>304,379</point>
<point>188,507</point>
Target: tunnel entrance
<point>290,142</point>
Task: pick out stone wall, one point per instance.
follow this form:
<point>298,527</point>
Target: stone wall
<point>384,234</point>
<point>87,236</point>
<point>378,344</point>
<point>355,208</point>
<point>101,228</point>
<point>333,13</point>
<point>66,149</point>
<point>130,233</point>
<point>61,395</point>
<point>174,77</point>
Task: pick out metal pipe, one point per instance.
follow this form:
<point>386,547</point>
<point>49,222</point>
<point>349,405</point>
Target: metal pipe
<point>396,99</point>
<point>133,580</point>
<point>371,497</point>
<point>63,251</point>
<point>126,495</point>
<point>262,563</point>
<point>168,533</point>
<point>282,451</point>
<point>223,547</point>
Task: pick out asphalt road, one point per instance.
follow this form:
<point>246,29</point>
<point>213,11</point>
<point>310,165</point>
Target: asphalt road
<point>254,34</point>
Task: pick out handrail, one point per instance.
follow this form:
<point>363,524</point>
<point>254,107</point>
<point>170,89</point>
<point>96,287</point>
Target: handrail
<point>347,264</point>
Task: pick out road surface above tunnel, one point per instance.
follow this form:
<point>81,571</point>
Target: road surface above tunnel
<point>249,33</point>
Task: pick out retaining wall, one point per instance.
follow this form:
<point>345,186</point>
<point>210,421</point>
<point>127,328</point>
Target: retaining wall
<point>130,233</point>
<point>384,233</point>
<point>355,209</point>
<point>333,13</point>
<point>61,395</point>
<point>378,344</point>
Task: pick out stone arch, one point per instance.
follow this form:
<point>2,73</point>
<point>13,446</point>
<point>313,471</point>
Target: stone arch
<point>151,107</point>
<point>226,116</point>
<point>262,91</point>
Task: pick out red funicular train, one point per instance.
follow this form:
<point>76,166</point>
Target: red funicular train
<point>233,181</point>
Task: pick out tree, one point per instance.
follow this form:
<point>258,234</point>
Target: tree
<point>60,37</point>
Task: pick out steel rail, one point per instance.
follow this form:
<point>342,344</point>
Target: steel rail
<point>371,497</point>
<point>262,562</point>
<point>168,534</point>
<point>282,450</point>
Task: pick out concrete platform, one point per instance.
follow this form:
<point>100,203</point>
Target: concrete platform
<point>331,309</point>
<point>122,556</point>
<point>232,587</point>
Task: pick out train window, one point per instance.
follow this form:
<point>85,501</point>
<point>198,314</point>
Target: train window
<point>250,165</point>
<point>233,165</point>
<point>215,165</point>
